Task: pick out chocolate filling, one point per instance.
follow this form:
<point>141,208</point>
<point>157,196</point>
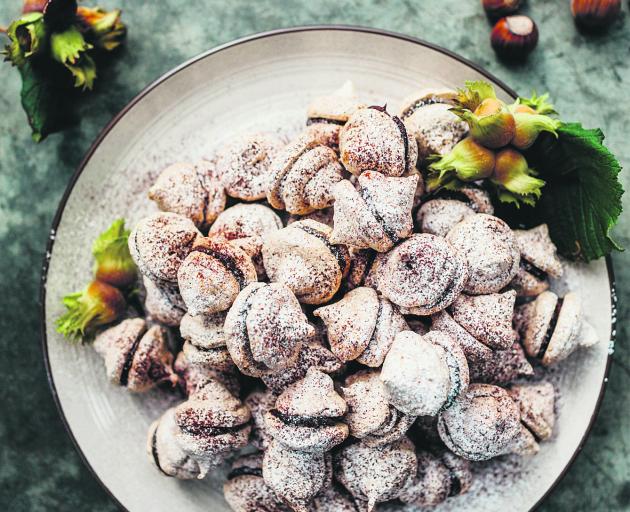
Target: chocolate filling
<point>379,108</point>
<point>403,134</point>
<point>124,374</point>
<point>336,250</point>
<point>324,120</point>
<point>550,329</point>
<point>457,195</point>
<point>154,452</point>
<point>379,313</point>
<point>412,109</point>
<point>455,377</point>
<point>371,206</point>
<point>204,430</point>
<point>532,269</point>
<point>536,437</point>
<point>304,421</point>
<point>228,262</point>
<point>244,470</point>
<point>456,484</point>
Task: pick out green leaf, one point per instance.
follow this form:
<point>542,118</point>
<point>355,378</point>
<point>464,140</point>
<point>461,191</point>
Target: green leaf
<point>40,100</point>
<point>581,202</point>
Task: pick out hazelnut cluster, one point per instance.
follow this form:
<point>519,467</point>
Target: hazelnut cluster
<point>394,336</point>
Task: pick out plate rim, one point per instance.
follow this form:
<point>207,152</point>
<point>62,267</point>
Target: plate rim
<point>230,44</point>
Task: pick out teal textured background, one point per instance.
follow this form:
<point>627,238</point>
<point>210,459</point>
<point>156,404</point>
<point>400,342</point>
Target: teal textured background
<point>587,76</point>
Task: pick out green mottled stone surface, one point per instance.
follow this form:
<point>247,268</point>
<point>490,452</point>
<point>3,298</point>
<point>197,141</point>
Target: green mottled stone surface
<point>588,77</point>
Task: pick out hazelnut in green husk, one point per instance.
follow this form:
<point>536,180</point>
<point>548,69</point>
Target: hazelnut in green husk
<point>467,161</point>
<point>103,28</point>
<point>490,121</point>
<point>530,124</point>
<point>98,304</point>
<point>515,181</point>
<point>28,37</point>
<point>113,262</point>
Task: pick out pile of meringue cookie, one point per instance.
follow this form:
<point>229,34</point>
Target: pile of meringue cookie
<point>366,341</point>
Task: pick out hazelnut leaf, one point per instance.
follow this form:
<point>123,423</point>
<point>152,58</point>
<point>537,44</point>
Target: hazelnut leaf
<point>581,201</point>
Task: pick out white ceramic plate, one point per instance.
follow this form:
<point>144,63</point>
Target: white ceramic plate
<point>264,81</point>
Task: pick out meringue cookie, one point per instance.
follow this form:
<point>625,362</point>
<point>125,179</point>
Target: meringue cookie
<point>536,402</point>
<point>553,328</point>
<point>427,117</point>
<point>312,355</point>
<point>372,139</point>
<point>370,417</point>
<point>335,108</point>
<point>303,177</point>
<point>482,423</point>
<point>165,454</point>
<point>212,275</point>
<point>424,374</point>
<point>192,377</point>
<point>204,331</point>
<point>539,260</point>
<point>487,318</point>
<point>163,302</point>
<point>302,257</point>
<point>136,357</point>
<point>333,499</point>
<point>245,226</point>
<point>160,243</point>
<point>362,326</point>
<point>303,174</point>
<point>296,476</point>
<point>265,329</point>
<point>360,264</point>
<point>501,367</point>
<point>246,490</point>
<point>212,423</point>
<point>378,473</point>
<point>491,250</point>
<point>192,191</point>
<point>423,275</point>
<point>307,415</point>
<point>439,477</point>
<point>243,165</point>
<point>376,214</point>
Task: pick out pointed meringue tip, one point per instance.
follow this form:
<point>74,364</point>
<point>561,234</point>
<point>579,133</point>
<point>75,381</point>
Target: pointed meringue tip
<point>371,504</point>
<point>347,89</point>
<point>588,336</point>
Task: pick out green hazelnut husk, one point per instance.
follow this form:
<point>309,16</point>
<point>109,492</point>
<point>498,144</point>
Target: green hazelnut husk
<point>515,181</point>
<point>98,304</point>
<point>113,262</point>
<point>467,161</point>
